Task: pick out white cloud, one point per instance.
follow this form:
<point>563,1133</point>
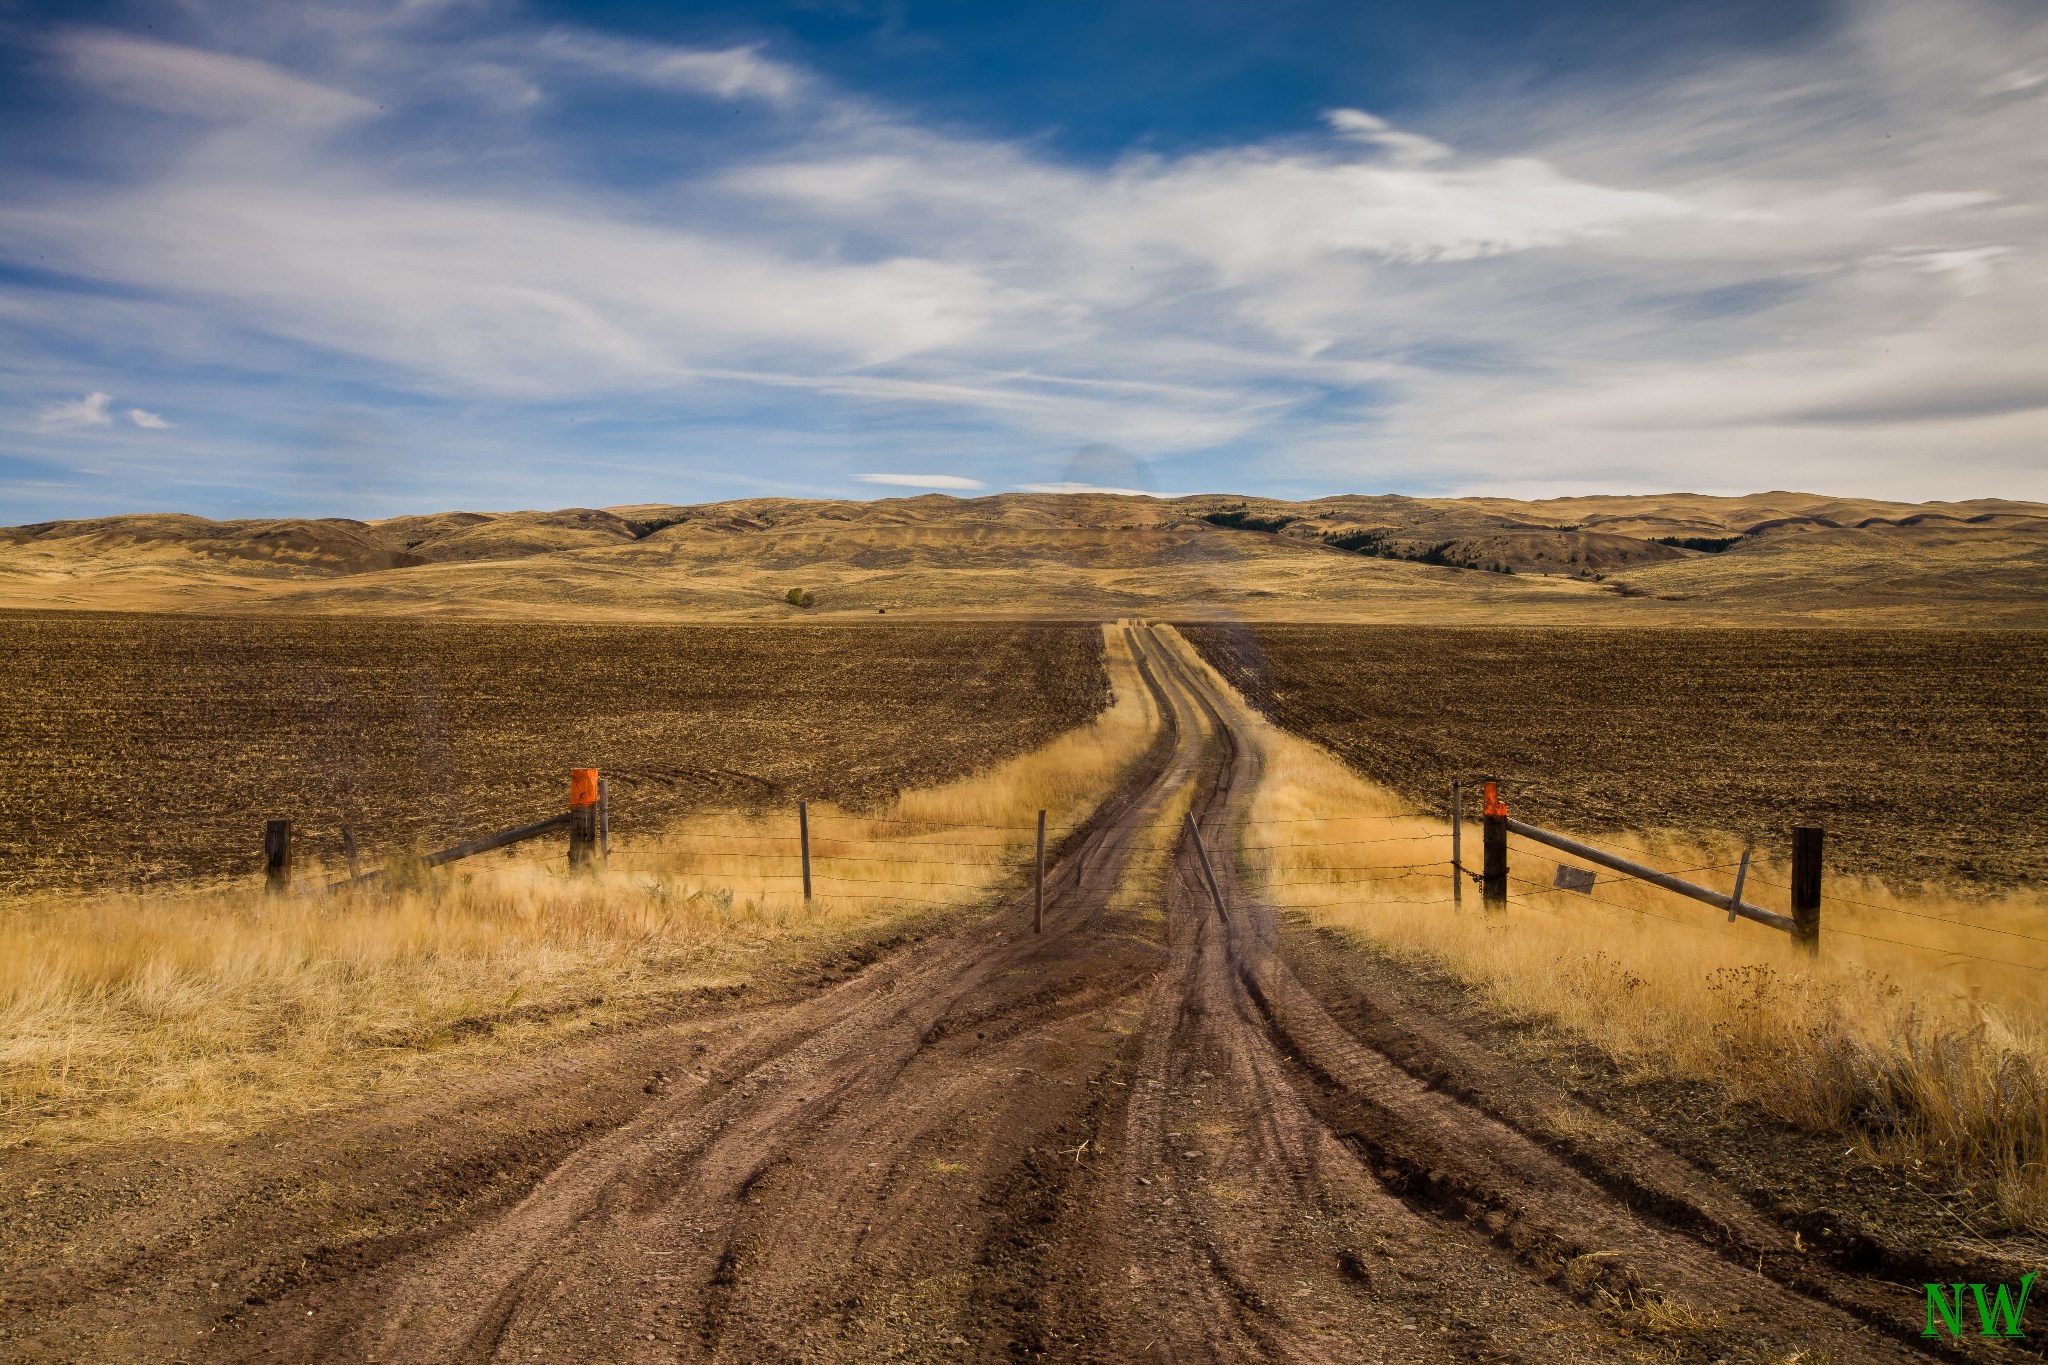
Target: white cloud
<point>726,73</point>
<point>209,85</point>
<point>1932,202</point>
<point>1085,488</point>
<point>1970,267</point>
<point>1411,149</point>
<point>152,420</point>
<point>89,411</point>
<point>946,481</point>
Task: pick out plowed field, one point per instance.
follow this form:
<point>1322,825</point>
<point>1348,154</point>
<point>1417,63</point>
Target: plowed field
<point>1917,751</point>
<point>147,749</point>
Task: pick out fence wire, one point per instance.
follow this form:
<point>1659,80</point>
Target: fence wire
<point>924,843</point>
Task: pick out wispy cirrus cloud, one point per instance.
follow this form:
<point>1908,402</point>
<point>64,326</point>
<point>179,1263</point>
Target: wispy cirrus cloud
<point>175,79</point>
<point>728,72</point>
<point>945,482</point>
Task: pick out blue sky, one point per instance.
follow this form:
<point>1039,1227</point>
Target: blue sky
<point>364,258</point>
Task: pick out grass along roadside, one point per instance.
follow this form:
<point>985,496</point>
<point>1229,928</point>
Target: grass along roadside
<point>132,1015</point>
<point>1920,1057</point>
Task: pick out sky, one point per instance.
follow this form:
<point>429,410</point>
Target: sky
<point>368,257</point>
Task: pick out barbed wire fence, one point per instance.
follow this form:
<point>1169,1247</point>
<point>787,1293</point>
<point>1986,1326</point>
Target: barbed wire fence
<point>885,859</point>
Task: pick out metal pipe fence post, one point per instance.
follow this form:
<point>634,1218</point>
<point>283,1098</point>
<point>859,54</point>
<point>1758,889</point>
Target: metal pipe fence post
<point>1457,843</point>
<point>604,817</point>
<point>1806,845</point>
<point>277,857</point>
<point>1038,882</point>
<point>583,799</point>
<point>1493,884</point>
<point>803,838</point>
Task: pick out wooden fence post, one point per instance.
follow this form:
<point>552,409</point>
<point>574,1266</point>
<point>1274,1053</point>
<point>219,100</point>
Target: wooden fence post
<point>803,835</point>
<point>1806,842</point>
<point>1038,882</point>
<point>1493,883</point>
<point>604,817</point>
<point>348,851</point>
<point>1208,872</point>
<point>1741,879</point>
<point>583,798</point>
<point>1457,843</point>
<point>277,857</point>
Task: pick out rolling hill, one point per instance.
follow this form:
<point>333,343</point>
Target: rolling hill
<point>1670,558</point>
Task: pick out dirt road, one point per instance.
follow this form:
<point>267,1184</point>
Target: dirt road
<point>1119,1140</point>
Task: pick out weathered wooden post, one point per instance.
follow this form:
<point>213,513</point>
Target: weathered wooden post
<point>604,817</point>
<point>277,857</point>
<point>1038,882</point>
<point>803,837</point>
<point>1493,881</point>
<point>1741,879</point>
<point>583,798</point>
<point>1457,843</point>
<point>348,851</point>
<point>1806,842</point>
<point>1208,872</point>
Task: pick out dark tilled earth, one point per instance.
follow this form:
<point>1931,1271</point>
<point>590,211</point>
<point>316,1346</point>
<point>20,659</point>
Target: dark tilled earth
<point>150,749</point>
<point>1917,750</point>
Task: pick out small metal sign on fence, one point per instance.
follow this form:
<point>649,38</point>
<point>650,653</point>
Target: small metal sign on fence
<point>1579,879</point>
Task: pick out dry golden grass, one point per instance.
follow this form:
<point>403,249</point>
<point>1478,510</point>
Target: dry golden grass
<point>938,845</point>
<point>1058,555</point>
<point>131,1015</point>
<point>1921,1055</point>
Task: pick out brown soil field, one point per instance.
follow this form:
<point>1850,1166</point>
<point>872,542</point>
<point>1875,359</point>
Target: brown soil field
<point>1917,751</point>
<point>147,749</point>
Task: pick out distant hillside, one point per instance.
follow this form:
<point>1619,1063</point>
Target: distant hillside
<point>1660,558</point>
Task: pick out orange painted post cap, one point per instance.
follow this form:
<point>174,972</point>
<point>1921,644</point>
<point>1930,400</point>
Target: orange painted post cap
<point>1494,805</point>
<point>582,788</point>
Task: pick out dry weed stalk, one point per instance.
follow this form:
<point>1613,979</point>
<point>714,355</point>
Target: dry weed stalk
<point>132,1014</point>
<point>1921,1059</point>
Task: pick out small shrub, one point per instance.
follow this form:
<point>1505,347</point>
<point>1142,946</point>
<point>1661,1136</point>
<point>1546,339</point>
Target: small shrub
<point>797,597</point>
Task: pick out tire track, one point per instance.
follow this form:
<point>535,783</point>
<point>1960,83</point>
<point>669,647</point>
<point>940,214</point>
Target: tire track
<point>1465,1170</point>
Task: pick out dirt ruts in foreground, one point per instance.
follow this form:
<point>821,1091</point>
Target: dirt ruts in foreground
<point>1089,1144</point>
